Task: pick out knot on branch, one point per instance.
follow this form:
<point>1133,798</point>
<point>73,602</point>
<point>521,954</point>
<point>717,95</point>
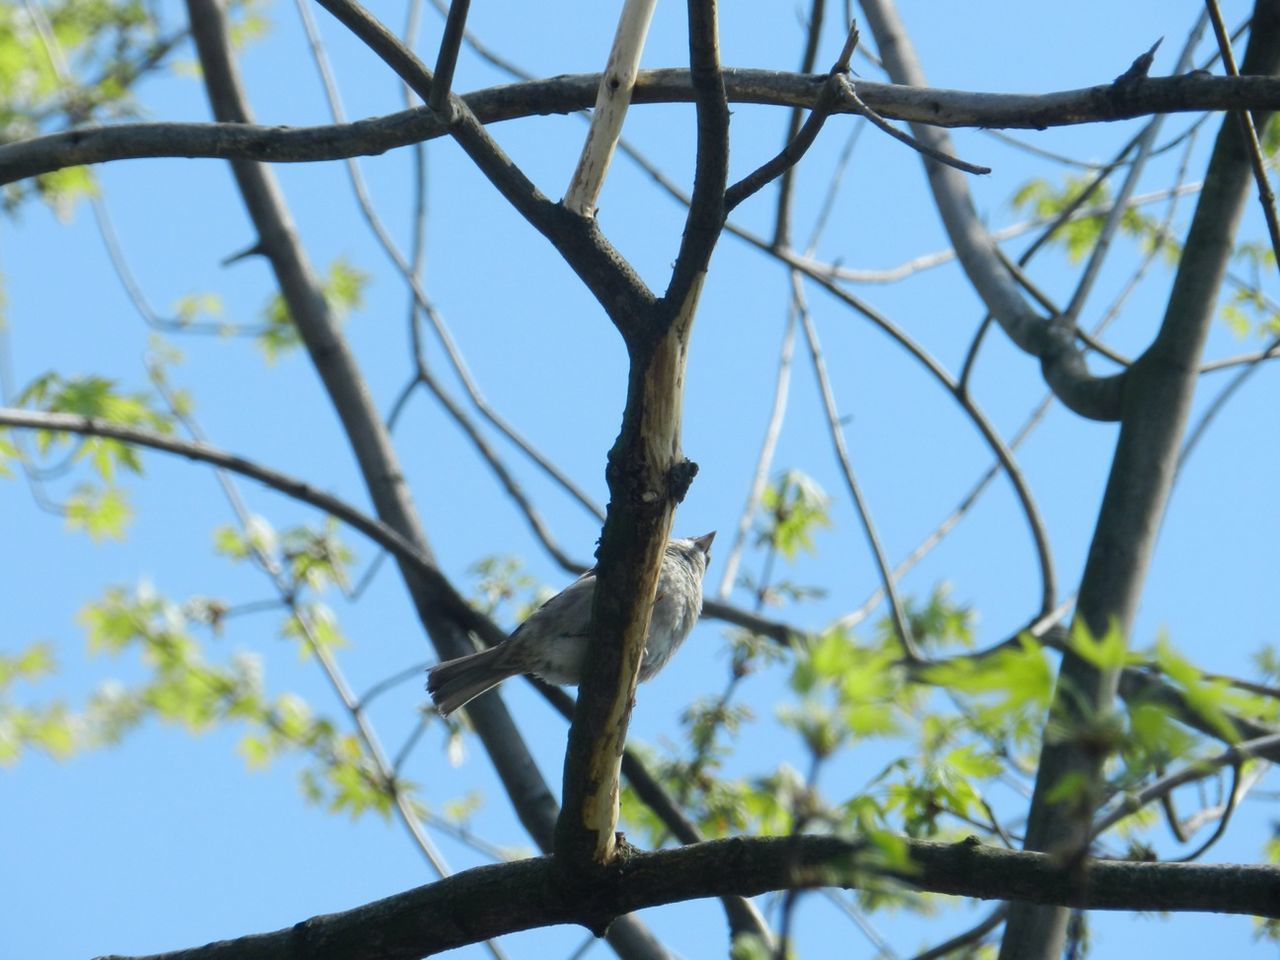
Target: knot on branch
<point>1140,67</point>
<point>680,478</point>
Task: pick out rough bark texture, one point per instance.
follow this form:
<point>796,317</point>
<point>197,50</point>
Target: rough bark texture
<point>489,901</point>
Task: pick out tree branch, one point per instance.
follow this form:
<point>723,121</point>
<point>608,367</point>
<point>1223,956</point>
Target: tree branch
<point>580,242</point>
<point>568,94</point>
<point>379,465</point>
<point>612,100</point>
<point>490,901</point>
<point>1063,367</point>
<point>1159,388</point>
<point>647,476</point>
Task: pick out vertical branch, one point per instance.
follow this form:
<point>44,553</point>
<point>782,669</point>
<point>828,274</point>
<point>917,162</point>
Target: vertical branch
<point>1155,406</point>
<point>447,59</point>
<point>786,185</point>
<point>643,474</point>
<point>379,464</point>
<point>612,100</point>
<point>647,476</point>
<point>706,215</point>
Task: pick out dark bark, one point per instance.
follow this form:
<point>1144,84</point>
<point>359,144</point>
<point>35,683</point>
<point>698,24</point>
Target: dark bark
<point>490,901</point>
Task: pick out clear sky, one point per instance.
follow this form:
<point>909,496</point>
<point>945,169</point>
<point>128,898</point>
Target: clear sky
<point>168,841</point>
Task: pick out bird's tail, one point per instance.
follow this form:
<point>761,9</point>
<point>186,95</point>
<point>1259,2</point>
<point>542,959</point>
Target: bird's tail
<point>454,683</point>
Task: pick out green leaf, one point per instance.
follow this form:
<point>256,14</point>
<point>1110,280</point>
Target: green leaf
<point>343,292</point>
<point>32,663</point>
<point>750,946</point>
<point>1108,652</point>
<point>1208,698</point>
<point>794,507</point>
<point>1020,677</point>
<point>195,306</point>
<point>8,451</point>
<point>1072,786</point>
<point>971,761</point>
<point>318,558</point>
<point>256,752</point>
<point>101,512</point>
<point>61,189</point>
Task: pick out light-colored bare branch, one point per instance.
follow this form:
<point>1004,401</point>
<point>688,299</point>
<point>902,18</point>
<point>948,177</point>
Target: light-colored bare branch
<point>612,99</point>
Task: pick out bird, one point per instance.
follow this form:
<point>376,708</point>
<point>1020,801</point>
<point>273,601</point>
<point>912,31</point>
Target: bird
<point>552,641</point>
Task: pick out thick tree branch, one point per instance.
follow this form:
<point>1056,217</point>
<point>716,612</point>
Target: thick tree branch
<point>647,476</point>
<point>379,465</point>
<point>503,898</point>
<point>568,94</point>
<point>1155,405</point>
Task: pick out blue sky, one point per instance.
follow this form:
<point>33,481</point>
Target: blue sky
<point>167,841</point>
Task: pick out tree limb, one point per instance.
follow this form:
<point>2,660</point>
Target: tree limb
<point>568,94</point>
<point>1159,388</point>
<point>490,901</point>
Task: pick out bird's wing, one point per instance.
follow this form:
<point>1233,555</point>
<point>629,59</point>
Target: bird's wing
<point>571,607</point>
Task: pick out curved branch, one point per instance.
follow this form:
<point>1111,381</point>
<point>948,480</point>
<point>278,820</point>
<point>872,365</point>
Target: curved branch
<point>497,899</point>
<point>383,534</point>
<point>567,94</point>
<point>1266,746</point>
<point>1053,343</point>
<point>1157,399</point>
<point>834,429</point>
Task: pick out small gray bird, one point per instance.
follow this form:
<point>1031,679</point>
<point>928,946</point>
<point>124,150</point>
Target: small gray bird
<point>552,643</point>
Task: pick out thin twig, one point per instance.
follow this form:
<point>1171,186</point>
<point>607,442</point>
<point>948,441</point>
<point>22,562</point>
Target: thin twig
<point>768,444</point>
<point>1193,771</point>
<point>397,678</point>
<point>786,184</point>
<point>1216,406</point>
<point>407,272</point>
<point>1266,197</point>
<point>968,938</point>
<point>795,149</point>
<point>781,237</point>
<point>1233,797</point>
<point>849,94</point>
<point>836,432</point>
<point>940,257</point>
<point>846,905</point>
<point>1144,145</point>
<point>499,469</point>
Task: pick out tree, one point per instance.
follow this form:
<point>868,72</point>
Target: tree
<point>899,746</point>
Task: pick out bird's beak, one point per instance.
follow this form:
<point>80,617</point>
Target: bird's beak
<point>703,542</point>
